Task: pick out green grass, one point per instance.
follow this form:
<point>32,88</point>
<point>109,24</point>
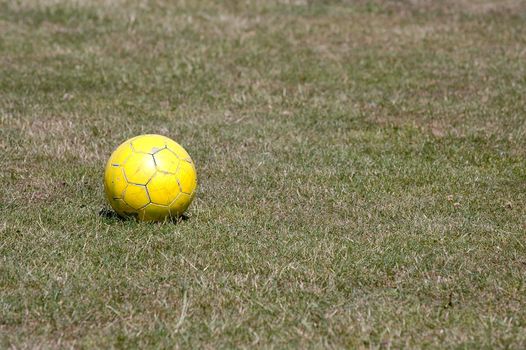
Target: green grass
<point>361,164</point>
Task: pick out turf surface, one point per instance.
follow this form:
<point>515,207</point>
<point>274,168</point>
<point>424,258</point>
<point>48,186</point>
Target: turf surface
<point>361,165</point>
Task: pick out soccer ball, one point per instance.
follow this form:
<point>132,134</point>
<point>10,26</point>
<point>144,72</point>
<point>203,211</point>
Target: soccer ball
<point>150,177</point>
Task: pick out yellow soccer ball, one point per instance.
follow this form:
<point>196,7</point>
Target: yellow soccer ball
<point>150,177</point>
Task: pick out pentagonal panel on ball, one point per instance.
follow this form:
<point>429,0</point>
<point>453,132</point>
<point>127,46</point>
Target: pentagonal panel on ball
<point>119,156</point>
<point>114,182</point>
<point>187,177</point>
<point>154,212</point>
<point>166,161</point>
<point>139,168</point>
<point>180,204</point>
<point>179,151</point>
<point>163,188</point>
<point>149,143</point>
<point>136,196</point>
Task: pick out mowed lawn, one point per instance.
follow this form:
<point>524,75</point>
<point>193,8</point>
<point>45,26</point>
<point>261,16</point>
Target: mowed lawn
<point>361,167</point>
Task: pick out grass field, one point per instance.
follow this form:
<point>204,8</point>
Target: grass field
<point>362,174</point>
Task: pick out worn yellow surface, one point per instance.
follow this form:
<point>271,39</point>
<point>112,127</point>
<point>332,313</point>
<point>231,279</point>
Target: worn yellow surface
<point>150,177</point>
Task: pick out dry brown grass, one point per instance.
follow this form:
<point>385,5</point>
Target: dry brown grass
<point>361,168</point>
